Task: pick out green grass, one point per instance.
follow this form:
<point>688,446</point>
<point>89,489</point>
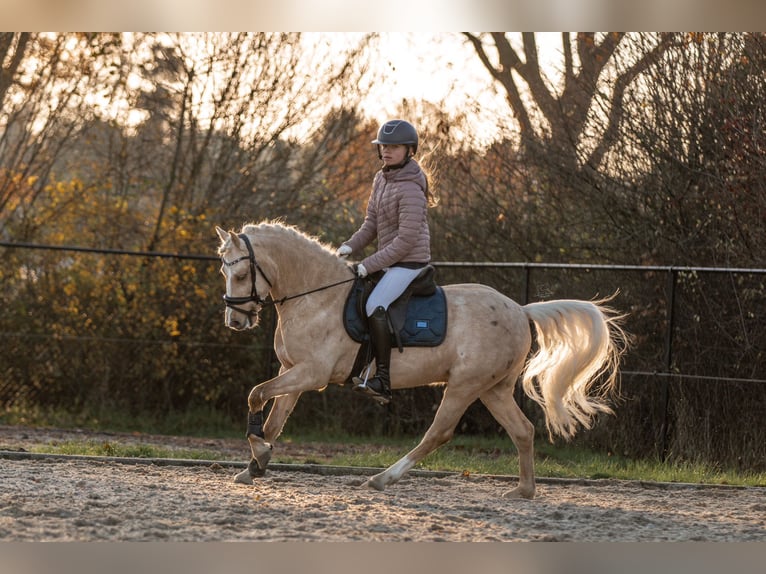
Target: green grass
<point>470,454</point>
<point>477,455</point>
<point>115,449</point>
<point>199,422</point>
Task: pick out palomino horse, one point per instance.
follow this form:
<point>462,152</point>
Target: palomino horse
<point>485,350</point>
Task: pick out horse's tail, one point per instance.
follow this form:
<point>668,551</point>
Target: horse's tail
<point>579,344</point>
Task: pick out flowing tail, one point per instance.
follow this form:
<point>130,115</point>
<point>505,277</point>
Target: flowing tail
<point>580,344</point>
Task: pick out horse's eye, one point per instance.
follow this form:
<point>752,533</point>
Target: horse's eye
<point>240,276</point>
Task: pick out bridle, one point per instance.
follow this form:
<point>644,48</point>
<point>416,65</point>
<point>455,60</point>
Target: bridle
<point>233,302</point>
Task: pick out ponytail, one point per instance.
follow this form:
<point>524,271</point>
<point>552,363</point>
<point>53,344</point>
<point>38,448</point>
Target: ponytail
<point>432,200</point>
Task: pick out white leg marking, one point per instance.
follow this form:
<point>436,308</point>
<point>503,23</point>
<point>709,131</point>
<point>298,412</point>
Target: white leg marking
<point>392,474</point>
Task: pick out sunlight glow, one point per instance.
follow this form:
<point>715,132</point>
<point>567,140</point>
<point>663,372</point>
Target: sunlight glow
<point>443,69</point>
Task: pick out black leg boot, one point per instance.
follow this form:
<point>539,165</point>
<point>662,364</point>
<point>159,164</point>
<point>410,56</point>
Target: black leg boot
<point>379,386</point>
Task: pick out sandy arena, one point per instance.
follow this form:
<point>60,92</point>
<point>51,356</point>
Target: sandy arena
<point>92,499</point>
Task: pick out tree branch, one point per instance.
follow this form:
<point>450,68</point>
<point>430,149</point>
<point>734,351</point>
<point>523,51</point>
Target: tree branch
<point>509,61</point>
<point>616,110</point>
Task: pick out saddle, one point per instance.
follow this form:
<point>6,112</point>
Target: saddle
<point>418,318</point>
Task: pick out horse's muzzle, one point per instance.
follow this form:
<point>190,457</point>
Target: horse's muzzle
<point>241,319</point>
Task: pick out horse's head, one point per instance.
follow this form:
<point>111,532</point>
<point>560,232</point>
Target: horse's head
<point>246,284</point>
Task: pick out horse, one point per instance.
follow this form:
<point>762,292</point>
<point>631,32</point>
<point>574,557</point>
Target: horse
<point>572,373</point>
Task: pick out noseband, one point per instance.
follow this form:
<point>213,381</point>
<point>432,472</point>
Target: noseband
<point>232,302</point>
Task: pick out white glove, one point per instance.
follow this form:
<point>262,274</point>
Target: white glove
<point>343,251</point>
<point>361,271</point>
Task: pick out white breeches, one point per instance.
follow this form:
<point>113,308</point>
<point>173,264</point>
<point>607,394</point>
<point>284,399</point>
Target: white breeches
<point>395,280</point>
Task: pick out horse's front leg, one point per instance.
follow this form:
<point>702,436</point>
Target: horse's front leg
<point>287,388</point>
<point>278,414</point>
<point>262,446</point>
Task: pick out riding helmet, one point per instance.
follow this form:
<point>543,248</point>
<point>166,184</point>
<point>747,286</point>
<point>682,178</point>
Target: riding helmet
<point>397,132</point>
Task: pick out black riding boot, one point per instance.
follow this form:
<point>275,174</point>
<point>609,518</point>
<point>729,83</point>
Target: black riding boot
<point>379,386</point>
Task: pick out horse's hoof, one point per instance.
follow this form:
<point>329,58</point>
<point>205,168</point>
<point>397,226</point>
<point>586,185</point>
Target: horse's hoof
<point>244,477</point>
<point>257,468</point>
<point>375,485</point>
<point>519,493</point>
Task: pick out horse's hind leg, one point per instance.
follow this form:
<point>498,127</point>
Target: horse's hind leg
<point>452,407</point>
<point>501,403</point>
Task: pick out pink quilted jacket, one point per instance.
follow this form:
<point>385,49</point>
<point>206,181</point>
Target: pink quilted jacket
<point>396,216</point>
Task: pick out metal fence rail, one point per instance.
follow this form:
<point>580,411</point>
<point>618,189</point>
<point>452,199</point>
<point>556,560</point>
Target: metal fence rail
<point>672,272</point>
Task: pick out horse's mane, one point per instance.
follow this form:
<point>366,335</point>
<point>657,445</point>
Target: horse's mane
<point>277,227</point>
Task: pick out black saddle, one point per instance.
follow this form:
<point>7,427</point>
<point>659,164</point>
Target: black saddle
<point>418,318</point>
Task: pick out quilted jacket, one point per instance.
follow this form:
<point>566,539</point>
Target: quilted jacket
<point>396,217</point>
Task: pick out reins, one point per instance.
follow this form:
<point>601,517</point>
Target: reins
<point>274,302</point>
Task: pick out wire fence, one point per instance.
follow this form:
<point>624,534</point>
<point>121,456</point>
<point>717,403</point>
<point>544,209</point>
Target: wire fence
<point>671,273</point>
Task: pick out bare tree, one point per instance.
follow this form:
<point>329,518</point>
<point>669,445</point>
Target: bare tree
<point>690,157</point>
<point>596,74</point>
<point>45,82</point>
<point>12,50</point>
<point>236,110</point>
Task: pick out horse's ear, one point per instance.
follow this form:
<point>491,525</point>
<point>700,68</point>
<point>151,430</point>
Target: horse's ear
<point>224,235</point>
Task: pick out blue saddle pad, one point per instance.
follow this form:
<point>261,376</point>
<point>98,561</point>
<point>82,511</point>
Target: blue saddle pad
<point>424,324</point>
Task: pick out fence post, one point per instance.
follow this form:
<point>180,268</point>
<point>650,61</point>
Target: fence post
<point>671,301</point>
<point>272,358</point>
<point>527,272</point>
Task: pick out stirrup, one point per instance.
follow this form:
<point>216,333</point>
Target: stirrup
<point>382,397</point>
<point>361,380</point>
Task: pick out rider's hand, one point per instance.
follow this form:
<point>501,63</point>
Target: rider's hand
<point>343,251</point>
<point>361,271</point>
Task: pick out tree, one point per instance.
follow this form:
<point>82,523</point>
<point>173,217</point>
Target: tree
<point>649,151</point>
<point>691,161</point>
<point>45,84</point>
<point>139,141</point>
<point>12,50</point>
<point>597,71</point>
<point>228,115</point>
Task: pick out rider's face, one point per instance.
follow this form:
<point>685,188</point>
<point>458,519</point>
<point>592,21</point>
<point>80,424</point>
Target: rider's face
<point>393,154</point>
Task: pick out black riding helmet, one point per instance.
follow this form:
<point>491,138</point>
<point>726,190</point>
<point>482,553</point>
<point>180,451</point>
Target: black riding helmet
<point>397,132</point>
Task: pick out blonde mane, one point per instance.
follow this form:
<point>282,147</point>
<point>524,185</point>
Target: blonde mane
<point>301,256</point>
<point>277,227</point>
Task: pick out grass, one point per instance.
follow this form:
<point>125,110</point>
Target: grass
<point>470,454</point>
<point>115,449</point>
<point>198,422</point>
<point>479,455</point>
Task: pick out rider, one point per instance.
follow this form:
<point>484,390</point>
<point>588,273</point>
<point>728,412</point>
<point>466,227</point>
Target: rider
<point>396,216</point>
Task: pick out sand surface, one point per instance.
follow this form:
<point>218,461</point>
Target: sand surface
<point>96,499</point>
